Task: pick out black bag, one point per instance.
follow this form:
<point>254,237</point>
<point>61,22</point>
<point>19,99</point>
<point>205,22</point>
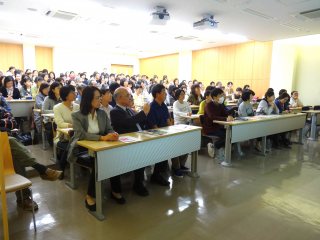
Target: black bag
<point>24,138</point>
<point>7,121</point>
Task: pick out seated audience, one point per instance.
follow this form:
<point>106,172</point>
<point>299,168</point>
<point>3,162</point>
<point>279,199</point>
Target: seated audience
<point>245,108</point>
<point>106,98</point>
<point>4,104</point>
<point>159,117</point>
<point>124,120</point>
<point>181,108</point>
<point>8,90</point>
<point>35,88</point>
<point>62,116</point>
<point>43,92</point>
<point>49,102</point>
<point>281,103</point>
<point>215,110</point>
<point>92,123</point>
<point>267,106</point>
<point>138,97</point>
<point>294,100</point>
<point>25,90</point>
<point>207,96</point>
<point>195,97</point>
<point>238,93</point>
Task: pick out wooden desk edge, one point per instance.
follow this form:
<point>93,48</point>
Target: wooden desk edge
<point>238,122</point>
<point>86,143</point>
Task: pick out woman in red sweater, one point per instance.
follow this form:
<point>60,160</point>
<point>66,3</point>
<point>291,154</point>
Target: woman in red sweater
<point>215,110</point>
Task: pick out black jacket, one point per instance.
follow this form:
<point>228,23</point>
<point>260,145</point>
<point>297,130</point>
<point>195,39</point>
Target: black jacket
<point>15,95</point>
<point>122,122</point>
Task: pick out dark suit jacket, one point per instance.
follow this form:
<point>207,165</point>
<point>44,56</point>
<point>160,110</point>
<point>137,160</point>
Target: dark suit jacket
<point>15,94</point>
<point>122,122</point>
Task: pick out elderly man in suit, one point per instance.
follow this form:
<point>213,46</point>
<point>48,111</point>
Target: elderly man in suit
<point>125,120</point>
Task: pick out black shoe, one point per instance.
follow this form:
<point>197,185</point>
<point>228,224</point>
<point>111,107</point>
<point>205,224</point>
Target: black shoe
<point>158,179</point>
<point>91,208</point>
<point>141,190</point>
<point>121,200</point>
<point>184,169</point>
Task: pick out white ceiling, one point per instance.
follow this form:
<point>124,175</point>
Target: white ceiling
<point>123,26</point>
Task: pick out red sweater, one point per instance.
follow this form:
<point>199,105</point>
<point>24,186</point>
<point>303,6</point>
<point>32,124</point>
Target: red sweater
<point>213,111</point>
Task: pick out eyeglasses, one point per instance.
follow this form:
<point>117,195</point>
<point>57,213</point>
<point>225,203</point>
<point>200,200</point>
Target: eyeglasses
<point>97,97</point>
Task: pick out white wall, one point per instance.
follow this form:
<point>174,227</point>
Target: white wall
<point>29,56</point>
<point>307,77</point>
<point>282,66</point>
<point>87,60</point>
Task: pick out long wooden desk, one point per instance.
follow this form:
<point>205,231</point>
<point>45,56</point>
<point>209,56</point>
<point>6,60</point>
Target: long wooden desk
<point>259,126</point>
<point>21,108</point>
<point>116,158</point>
<point>313,134</point>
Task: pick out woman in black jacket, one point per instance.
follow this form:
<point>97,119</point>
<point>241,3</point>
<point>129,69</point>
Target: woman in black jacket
<point>8,90</point>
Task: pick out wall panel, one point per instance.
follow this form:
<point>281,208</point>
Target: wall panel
<point>11,55</point>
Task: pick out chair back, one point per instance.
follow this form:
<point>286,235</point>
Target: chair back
<point>8,168</point>
<point>3,139</point>
<point>306,108</point>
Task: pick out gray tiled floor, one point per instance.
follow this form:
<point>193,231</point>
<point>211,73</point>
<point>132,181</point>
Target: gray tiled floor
<point>272,197</point>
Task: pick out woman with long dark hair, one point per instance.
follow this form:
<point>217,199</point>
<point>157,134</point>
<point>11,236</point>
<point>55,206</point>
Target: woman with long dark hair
<point>195,97</point>
<point>92,123</point>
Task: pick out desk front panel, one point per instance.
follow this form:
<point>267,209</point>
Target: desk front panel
<point>255,129</point>
<point>116,161</point>
<point>21,108</point>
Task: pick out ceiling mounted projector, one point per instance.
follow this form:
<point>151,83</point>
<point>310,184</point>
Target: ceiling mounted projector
<point>207,22</point>
<point>160,16</point>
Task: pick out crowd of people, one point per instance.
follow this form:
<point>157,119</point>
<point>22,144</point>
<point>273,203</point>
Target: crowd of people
<point>101,106</point>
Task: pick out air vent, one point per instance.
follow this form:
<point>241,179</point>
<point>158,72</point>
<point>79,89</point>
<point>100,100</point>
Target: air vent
<point>315,13</point>
<point>185,38</point>
<point>114,24</point>
<point>291,26</point>
<point>256,13</point>
<point>63,15</point>
<point>32,9</point>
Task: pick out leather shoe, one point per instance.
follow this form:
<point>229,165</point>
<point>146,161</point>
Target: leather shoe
<point>141,190</point>
<point>91,208</point>
<point>51,175</point>
<point>158,179</point>
<point>121,200</point>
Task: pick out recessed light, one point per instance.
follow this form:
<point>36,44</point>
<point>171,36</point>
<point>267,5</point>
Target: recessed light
<point>32,9</point>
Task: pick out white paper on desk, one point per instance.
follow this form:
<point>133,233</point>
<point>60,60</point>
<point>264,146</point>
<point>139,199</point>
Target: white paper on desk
<point>128,139</point>
<point>180,127</point>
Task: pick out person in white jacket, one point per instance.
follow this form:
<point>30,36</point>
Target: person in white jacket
<point>181,108</point>
<point>267,105</point>
<point>62,116</point>
<point>294,100</point>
